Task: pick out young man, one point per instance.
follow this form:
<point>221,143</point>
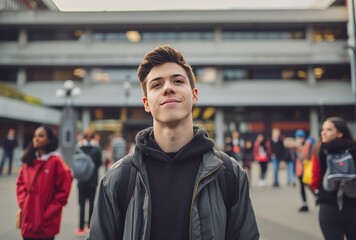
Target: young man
<point>277,154</point>
<point>177,191</point>
<point>87,189</point>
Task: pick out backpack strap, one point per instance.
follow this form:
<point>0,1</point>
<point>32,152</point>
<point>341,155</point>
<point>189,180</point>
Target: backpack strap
<point>227,182</point>
<point>126,184</point>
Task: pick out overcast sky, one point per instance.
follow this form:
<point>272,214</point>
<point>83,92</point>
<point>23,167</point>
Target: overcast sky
<point>140,5</point>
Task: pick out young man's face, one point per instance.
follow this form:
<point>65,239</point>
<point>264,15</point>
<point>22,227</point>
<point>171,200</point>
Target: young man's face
<point>170,97</point>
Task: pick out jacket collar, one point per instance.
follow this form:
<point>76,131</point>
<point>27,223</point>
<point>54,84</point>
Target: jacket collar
<point>45,157</point>
<point>210,162</point>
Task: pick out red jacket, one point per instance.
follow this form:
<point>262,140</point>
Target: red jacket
<point>316,175</point>
<point>260,152</point>
<point>42,205</point>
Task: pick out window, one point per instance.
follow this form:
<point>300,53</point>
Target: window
<point>235,74</point>
<point>8,75</point>
<point>9,35</point>
<point>49,74</point>
<point>262,35</point>
<point>206,74</point>
<point>113,75</point>
<point>177,36</point>
<point>329,34</point>
<point>55,35</point>
<point>332,72</point>
<point>259,73</point>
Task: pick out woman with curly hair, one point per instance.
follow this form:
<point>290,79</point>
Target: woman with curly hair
<point>336,224</point>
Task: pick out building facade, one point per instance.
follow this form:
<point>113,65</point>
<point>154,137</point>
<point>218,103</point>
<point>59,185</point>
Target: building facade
<point>256,69</point>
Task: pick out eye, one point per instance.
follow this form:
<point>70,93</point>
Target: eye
<point>178,81</point>
<point>156,85</point>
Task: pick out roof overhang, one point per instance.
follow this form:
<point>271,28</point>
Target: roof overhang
<point>154,5</point>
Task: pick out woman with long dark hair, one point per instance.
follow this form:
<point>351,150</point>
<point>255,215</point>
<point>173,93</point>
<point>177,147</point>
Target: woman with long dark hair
<point>335,224</point>
<point>43,186</point>
<point>260,153</point>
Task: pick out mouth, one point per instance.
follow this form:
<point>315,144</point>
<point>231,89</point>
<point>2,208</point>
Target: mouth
<point>169,101</point>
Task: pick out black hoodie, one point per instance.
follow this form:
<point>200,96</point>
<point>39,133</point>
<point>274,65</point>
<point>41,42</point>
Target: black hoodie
<point>171,181</point>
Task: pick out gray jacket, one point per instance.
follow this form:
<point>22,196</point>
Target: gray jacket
<point>208,212</point>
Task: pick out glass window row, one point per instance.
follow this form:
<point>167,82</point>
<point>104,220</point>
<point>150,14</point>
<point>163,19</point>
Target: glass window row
<point>319,34</point>
<point>204,74</point>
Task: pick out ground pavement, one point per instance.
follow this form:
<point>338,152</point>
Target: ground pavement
<point>276,210</point>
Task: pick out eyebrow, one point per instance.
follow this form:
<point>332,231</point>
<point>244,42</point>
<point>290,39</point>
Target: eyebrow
<point>171,76</point>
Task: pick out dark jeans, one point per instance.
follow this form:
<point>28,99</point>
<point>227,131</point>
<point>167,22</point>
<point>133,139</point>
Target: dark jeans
<point>336,224</point>
<point>85,192</point>
<point>263,166</point>
<point>302,189</point>
<point>5,155</point>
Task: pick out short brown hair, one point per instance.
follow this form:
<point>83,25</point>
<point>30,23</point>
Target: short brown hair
<point>158,56</point>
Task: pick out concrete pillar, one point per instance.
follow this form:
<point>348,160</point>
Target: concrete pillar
<point>218,35</point>
<point>314,122</point>
<point>219,129</point>
<point>311,76</point>
<point>351,30</point>
<point>21,77</point>
<point>86,79</point>
<point>20,137</point>
<point>23,39</point>
<point>86,118</point>
<point>20,134</point>
<point>89,36</point>
<point>309,34</point>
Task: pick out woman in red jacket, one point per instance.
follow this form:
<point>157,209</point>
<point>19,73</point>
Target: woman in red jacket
<point>260,153</point>
<point>43,186</point>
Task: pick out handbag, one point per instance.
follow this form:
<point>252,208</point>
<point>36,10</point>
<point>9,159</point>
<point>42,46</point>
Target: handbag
<point>18,218</point>
<point>307,171</point>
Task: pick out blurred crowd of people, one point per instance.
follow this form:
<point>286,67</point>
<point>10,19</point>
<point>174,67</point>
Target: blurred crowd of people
<point>307,161</point>
<point>277,151</point>
<point>294,153</point>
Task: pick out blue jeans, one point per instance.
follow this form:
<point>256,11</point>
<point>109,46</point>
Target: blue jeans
<point>5,155</point>
<point>290,172</point>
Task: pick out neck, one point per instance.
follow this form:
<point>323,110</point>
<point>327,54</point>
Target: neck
<point>172,139</point>
<point>41,152</point>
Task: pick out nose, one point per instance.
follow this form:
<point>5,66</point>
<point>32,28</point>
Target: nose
<point>322,133</point>
<point>168,88</point>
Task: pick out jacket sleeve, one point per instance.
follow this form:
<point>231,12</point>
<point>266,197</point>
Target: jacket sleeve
<point>21,191</point>
<point>242,223</point>
<point>63,184</point>
<point>98,158</point>
<point>105,223</point>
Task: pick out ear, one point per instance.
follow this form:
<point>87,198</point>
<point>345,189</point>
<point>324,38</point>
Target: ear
<point>195,96</point>
<point>145,104</point>
<point>339,134</point>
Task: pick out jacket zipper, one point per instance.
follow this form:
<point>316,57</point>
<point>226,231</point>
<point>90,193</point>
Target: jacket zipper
<point>194,196</point>
<point>145,220</point>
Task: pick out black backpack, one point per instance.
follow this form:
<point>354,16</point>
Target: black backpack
<point>227,182</point>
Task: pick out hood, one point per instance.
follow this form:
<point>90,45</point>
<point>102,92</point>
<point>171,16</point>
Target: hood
<point>200,144</point>
<point>338,145</point>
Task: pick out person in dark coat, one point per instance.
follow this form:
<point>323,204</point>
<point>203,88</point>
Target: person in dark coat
<point>10,143</point>
<point>87,190</point>
<point>277,154</point>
